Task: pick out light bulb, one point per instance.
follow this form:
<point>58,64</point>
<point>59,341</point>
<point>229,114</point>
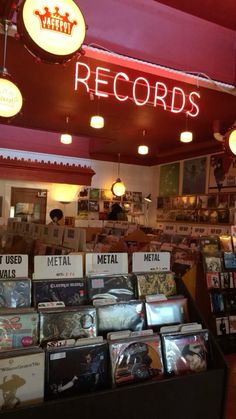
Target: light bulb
<point>97,122</point>
<point>66,139</point>
<point>143,149</point>
<point>186,137</point>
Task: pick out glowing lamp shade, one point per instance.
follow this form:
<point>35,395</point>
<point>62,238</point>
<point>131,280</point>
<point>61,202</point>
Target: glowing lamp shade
<point>232,141</point>
<point>52,30</point>
<point>97,122</point>
<point>143,149</point>
<point>10,98</point>
<point>118,188</point>
<point>66,139</point>
<point>186,137</point>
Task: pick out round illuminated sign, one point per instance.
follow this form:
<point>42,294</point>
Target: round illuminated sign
<point>52,30</point>
<point>10,98</point>
<point>118,188</point>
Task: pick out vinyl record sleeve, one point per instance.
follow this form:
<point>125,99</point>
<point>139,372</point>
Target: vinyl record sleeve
<point>212,263</point>
<point>77,322</point>
<point>213,279</point>
<point>136,359</point>
<point>119,287</point>
<point>19,328</point>
<point>121,316</point>
<point>71,292</point>
<point>21,378</point>
<point>170,311</point>
<point>74,370</point>
<point>156,283</point>
<point>186,353</point>
<point>217,302</point>
<point>15,293</point>
<point>222,326</point>
<point>229,260</point>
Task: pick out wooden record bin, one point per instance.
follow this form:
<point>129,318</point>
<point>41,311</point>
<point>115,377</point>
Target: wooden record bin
<point>194,396</point>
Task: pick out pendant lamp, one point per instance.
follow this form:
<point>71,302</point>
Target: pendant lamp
<point>118,188</point>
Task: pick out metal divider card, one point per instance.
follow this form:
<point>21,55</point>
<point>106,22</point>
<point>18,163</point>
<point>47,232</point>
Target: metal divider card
<point>106,263</point>
<point>58,266</point>
<point>151,262</point>
<point>13,266</point>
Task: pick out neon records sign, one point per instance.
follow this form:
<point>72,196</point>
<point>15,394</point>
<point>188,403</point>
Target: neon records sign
<point>52,30</point>
<point>140,90</point>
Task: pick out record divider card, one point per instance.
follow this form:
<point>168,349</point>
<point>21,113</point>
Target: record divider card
<point>106,264</point>
<point>151,262</point>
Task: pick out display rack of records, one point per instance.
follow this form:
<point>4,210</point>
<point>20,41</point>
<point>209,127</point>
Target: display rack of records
<point>217,297</point>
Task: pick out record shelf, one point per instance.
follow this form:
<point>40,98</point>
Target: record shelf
<point>194,396</point>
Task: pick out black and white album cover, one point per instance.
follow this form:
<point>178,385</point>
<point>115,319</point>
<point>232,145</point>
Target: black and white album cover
<point>222,326</point>
<point>169,311</point>
<point>15,293</point>
<point>77,369</point>
<point>117,287</point>
<point>71,292</point>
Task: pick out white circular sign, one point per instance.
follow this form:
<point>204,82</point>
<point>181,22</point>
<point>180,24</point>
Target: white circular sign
<point>10,98</point>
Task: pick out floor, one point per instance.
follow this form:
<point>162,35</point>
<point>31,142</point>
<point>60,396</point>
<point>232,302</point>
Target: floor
<point>230,411</point>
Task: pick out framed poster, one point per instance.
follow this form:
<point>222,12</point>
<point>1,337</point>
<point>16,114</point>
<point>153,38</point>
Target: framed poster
<point>222,173</point>
<point>194,176</point>
<point>169,179</point>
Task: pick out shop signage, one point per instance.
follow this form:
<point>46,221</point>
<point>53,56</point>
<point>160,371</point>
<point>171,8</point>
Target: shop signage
<point>151,262</point>
<point>104,83</point>
<point>106,263</point>
<point>13,266</point>
<point>58,267</point>
<point>52,30</point>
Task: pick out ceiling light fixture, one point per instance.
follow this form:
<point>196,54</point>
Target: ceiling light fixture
<point>228,140</point>
<point>118,187</point>
<point>96,121</point>
<point>143,149</point>
<point>10,96</point>
<point>66,138</point>
<point>186,136</point>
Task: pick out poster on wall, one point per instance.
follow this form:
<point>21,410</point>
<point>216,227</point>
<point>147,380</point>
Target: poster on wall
<point>194,176</point>
<point>169,179</point>
<point>222,176</point>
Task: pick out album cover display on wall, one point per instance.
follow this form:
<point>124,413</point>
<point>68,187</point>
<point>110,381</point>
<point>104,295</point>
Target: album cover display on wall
<point>21,378</point>
<point>217,302</point>
<point>209,245</point>
<point>226,280</point>
<point>72,293</point>
<point>163,312</point>
<point>74,370</point>
<point>121,316</point>
<point>229,260</point>
<point>213,264</point>
<point>136,359</point>
<point>156,283</point>
<point>232,324</point>
<point>222,325</point>
<point>15,293</point>
<point>18,329</point>
<point>66,323</point>
<point>117,287</point>
<point>186,353</point>
<point>213,279</point>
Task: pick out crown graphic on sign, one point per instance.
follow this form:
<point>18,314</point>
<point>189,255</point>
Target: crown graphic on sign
<point>55,21</point>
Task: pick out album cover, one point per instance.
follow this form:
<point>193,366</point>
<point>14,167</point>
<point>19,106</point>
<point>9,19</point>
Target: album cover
<point>15,293</point>
<point>74,370</point>
<point>229,260</point>
<point>66,323</point>
<point>21,378</point>
<point>209,245</point>
<point>230,301</point>
<point>234,243</point>
<point>217,302</point>
<point>121,316</point>
<point>185,352</point>
<point>156,283</point>
<point>19,328</point>
<point>117,287</point>
<point>169,311</point>
<point>71,292</point>
<point>136,359</point>
<point>226,244</point>
<point>213,279</point>
<point>227,280</point>
<point>213,264</point>
<point>223,216</point>
<point>232,324</point>
<point>222,326</point>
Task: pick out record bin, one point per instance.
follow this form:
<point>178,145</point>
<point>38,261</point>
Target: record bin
<point>194,396</point>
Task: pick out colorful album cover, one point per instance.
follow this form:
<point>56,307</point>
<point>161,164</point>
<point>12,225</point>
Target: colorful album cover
<point>74,370</point>
<point>57,324</point>
<point>226,244</point>
<point>15,293</point>
<point>234,243</point>
<point>230,301</point>
<point>185,353</point>
<point>121,316</point>
<point>136,359</point>
<point>21,378</point>
<point>213,279</point>
<point>222,326</point>
<point>156,283</point>
<point>217,302</point>
<point>229,260</point>
<point>72,293</point>
<point>169,311</point>
<point>117,287</point>
<point>232,324</point>
<point>209,245</point>
<point>213,264</point>
<point>227,279</point>
<point>223,216</point>
<point>19,328</point>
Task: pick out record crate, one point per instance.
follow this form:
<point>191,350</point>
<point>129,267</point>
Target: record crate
<point>194,396</point>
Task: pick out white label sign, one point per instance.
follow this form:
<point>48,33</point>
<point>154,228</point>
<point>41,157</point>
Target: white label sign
<point>13,266</point>
<point>200,231</point>
<point>106,263</point>
<point>151,262</point>
<point>183,229</point>
<point>58,266</point>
